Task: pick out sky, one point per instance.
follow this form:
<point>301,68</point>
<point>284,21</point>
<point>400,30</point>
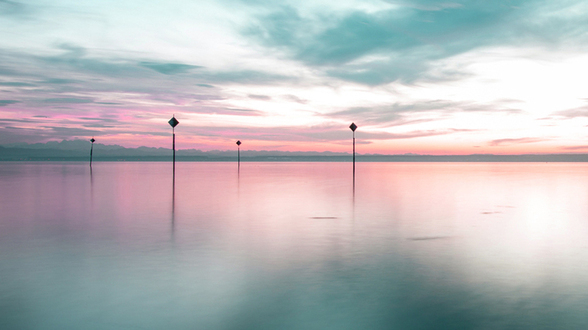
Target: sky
<point>419,76</point>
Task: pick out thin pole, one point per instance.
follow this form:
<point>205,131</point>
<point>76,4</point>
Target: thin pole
<point>174,177</point>
<point>174,148</point>
<point>91,150</point>
<point>353,127</point>
<point>354,155</point>
<point>173,219</point>
<point>238,155</point>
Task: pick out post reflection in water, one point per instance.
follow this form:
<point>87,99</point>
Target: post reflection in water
<point>173,208</point>
<point>91,187</point>
<point>353,185</point>
<point>432,246</point>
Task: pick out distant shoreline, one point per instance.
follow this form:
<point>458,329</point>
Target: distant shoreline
<point>360,158</point>
<point>79,151</point>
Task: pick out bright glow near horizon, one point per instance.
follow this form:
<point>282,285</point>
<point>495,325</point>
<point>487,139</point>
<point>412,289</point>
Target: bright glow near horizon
<point>419,76</point>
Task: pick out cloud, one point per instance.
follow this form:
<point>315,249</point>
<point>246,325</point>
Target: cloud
<point>402,113</point>
<point>106,120</point>
<point>502,142</point>
<point>121,85</point>
<point>31,135</point>
<point>16,84</point>
<point>573,148</point>
<point>13,8</point>
<point>169,68</point>
<point>429,5</point>
<point>404,43</point>
<point>4,103</point>
<point>74,61</point>
<point>259,97</point>
<point>59,81</point>
<point>68,132</point>
<point>98,125</point>
<point>68,100</point>
<point>238,112</point>
<point>16,120</point>
<point>304,55</point>
<point>217,110</point>
<point>324,133</point>
<point>423,133</point>
<point>244,77</point>
<point>294,98</point>
<point>573,113</point>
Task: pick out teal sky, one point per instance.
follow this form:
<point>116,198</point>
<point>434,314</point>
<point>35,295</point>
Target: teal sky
<point>438,77</point>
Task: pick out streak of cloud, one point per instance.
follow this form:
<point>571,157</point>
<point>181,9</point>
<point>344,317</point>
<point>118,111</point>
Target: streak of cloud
<point>573,113</point>
<point>501,142</point>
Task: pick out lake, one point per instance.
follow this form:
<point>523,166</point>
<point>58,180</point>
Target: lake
<point>293,246</point>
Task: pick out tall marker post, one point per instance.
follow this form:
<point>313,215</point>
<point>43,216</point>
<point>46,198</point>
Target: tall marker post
<point>91,150</point>
<point>238,154</point>
<point>173,123</point>
<point>353,127</point>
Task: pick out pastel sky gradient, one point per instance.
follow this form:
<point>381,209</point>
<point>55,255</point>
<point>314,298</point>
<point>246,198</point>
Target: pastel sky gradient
<point>416,76</point>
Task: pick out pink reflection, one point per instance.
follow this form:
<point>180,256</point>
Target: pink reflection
<point>509,224</point>
<point>461,237</point>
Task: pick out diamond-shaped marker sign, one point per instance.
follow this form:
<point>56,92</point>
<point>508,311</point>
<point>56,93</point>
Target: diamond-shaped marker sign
<point>353,127</point>
<point>238,143</point>
<point>92,140</point>
<point>173,122</point>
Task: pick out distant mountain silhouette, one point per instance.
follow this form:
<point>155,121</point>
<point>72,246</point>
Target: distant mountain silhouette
<point>79,150</point>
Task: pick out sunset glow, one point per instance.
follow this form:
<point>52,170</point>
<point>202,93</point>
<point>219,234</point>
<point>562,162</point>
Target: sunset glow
<point>425,77</point>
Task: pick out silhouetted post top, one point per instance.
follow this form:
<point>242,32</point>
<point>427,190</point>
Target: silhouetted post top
<point>238,142</point>
<point>353,127</point>
<point>92,140</point>
<point>173,122</point>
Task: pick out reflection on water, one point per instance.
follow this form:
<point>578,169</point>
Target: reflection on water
<point>293,246</point>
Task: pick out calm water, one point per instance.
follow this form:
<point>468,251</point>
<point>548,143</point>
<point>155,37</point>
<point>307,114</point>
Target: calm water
<point>290,246</point>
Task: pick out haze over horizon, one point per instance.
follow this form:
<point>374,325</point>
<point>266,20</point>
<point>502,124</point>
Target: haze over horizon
<point>77,150</point>
<point>423,77</point>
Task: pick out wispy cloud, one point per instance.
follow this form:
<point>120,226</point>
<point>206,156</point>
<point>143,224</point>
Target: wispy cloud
<point>259,97</point>
<point>13,8</point>
<point>575,148</point>
<point>169,68</point>
<point>16,84</point>
<point>573,113</point>
<point>4,103</point>
<point>68,100</point>
<point>502,142</point>
<point>403,43</point>
<point>328,133</point>
<point>16,120</point>
<point>402,113</point>
<point>294,98</point>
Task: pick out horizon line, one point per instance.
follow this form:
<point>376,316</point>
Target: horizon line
<point>324,153</point>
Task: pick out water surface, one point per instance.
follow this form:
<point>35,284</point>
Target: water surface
<point>293,246</point>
